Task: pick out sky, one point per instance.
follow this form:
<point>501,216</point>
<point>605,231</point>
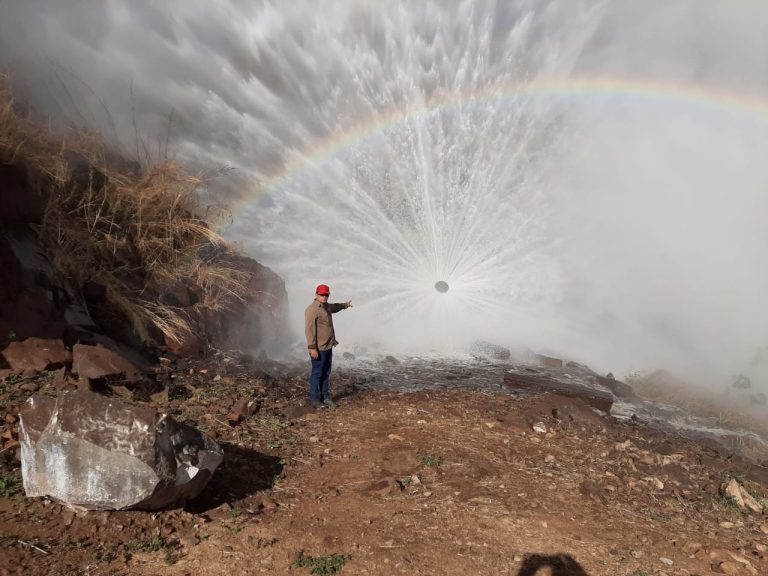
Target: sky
<point>651,205</point>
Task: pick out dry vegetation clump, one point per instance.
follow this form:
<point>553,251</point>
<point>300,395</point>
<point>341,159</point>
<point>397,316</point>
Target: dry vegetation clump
<point>134,232</point>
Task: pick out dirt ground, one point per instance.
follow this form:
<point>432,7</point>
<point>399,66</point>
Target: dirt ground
<point>431,482</point>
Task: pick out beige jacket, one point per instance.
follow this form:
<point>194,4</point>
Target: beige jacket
<point>318,325</point>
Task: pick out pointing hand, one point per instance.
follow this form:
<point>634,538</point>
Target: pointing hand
<point>348,304</point>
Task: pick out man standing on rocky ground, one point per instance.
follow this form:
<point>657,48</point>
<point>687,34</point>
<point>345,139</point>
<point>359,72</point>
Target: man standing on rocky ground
<point>318,326</point>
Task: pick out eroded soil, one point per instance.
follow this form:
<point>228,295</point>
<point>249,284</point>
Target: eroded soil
<point>429,482</point>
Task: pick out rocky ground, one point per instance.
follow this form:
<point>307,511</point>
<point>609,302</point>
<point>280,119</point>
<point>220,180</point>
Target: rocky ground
<point>427,482</point>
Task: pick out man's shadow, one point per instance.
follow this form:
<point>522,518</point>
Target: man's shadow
<point>561,564</point>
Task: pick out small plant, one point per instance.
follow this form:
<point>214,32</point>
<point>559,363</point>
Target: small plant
<point>732,507</point>
<point>12,336</point>
<point>172,556</point>
<point>104,555</point>
<point>273,424</point>
<point>405,481</point>
<point>430,459</point>
<point>235,513</point>
<point>10,485</point>
<point>152,545</point>
<point>741,382</point>
<point>639,573</point>
<point>354,457</point>
<point>329,564</point>
<point>155,544</point>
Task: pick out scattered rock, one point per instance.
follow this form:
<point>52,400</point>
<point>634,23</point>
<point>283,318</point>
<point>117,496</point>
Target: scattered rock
<point>619,389</point>
<point>243,408</point>
<point>655,482</point>
<point>593,490</point>
<point>97,362</point>
<point>94,452</point>
<point>549,361</point>
<point>68,516</point>
<point>36,354</point>
<point>741,497</point>
<point>750,502</point>
<point>733,569</point>
<point>264,502</point>
<point>623,445</point>
<point>185,344</point>
<point>539,428</point>
<point>386,487</point>
<point>732,490</point>
<point>490,350</point>
<point>647,458</point>
<point>29,387</point>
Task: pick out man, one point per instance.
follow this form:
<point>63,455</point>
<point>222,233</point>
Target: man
<point>321,339</point>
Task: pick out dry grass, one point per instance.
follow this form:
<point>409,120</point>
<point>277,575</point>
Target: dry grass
<point>136,232</point>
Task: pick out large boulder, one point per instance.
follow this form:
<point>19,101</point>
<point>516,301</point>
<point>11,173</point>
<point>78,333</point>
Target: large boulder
<point>99,453</point>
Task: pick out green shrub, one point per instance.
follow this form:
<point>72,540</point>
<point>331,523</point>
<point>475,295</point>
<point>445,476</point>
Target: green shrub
<point>329,564</point>
<point>741,382</point>
<point>430,460</point>
<point>10,485</point>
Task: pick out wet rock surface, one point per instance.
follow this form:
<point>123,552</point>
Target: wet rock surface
<point>596,398</point>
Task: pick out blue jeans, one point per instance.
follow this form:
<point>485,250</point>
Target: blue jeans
<point>320,380</point>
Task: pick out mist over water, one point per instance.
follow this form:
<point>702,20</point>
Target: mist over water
<point>384,147</point>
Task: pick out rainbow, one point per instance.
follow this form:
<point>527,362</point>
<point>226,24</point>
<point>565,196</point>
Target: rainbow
<point>707,98</point>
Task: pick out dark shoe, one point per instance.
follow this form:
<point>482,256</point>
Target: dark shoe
<point>316,404</point>
<point>329,403</point>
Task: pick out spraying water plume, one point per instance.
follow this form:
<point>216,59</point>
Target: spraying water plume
<point>576,185</point>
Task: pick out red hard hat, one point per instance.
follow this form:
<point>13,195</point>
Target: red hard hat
<point>322,290</point>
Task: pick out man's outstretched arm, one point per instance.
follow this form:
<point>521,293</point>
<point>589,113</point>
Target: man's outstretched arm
<point>333,308</point>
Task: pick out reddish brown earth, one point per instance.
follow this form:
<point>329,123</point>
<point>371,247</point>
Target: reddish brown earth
<point>434,482</point>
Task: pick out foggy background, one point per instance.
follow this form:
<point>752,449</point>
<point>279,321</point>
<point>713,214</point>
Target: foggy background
<point>652,207</point>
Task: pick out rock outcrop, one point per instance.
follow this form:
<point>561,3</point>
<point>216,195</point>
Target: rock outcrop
<point>258,323</point>
<point>95,452</point>
<point>489,350</point>
<point>33,303</point>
